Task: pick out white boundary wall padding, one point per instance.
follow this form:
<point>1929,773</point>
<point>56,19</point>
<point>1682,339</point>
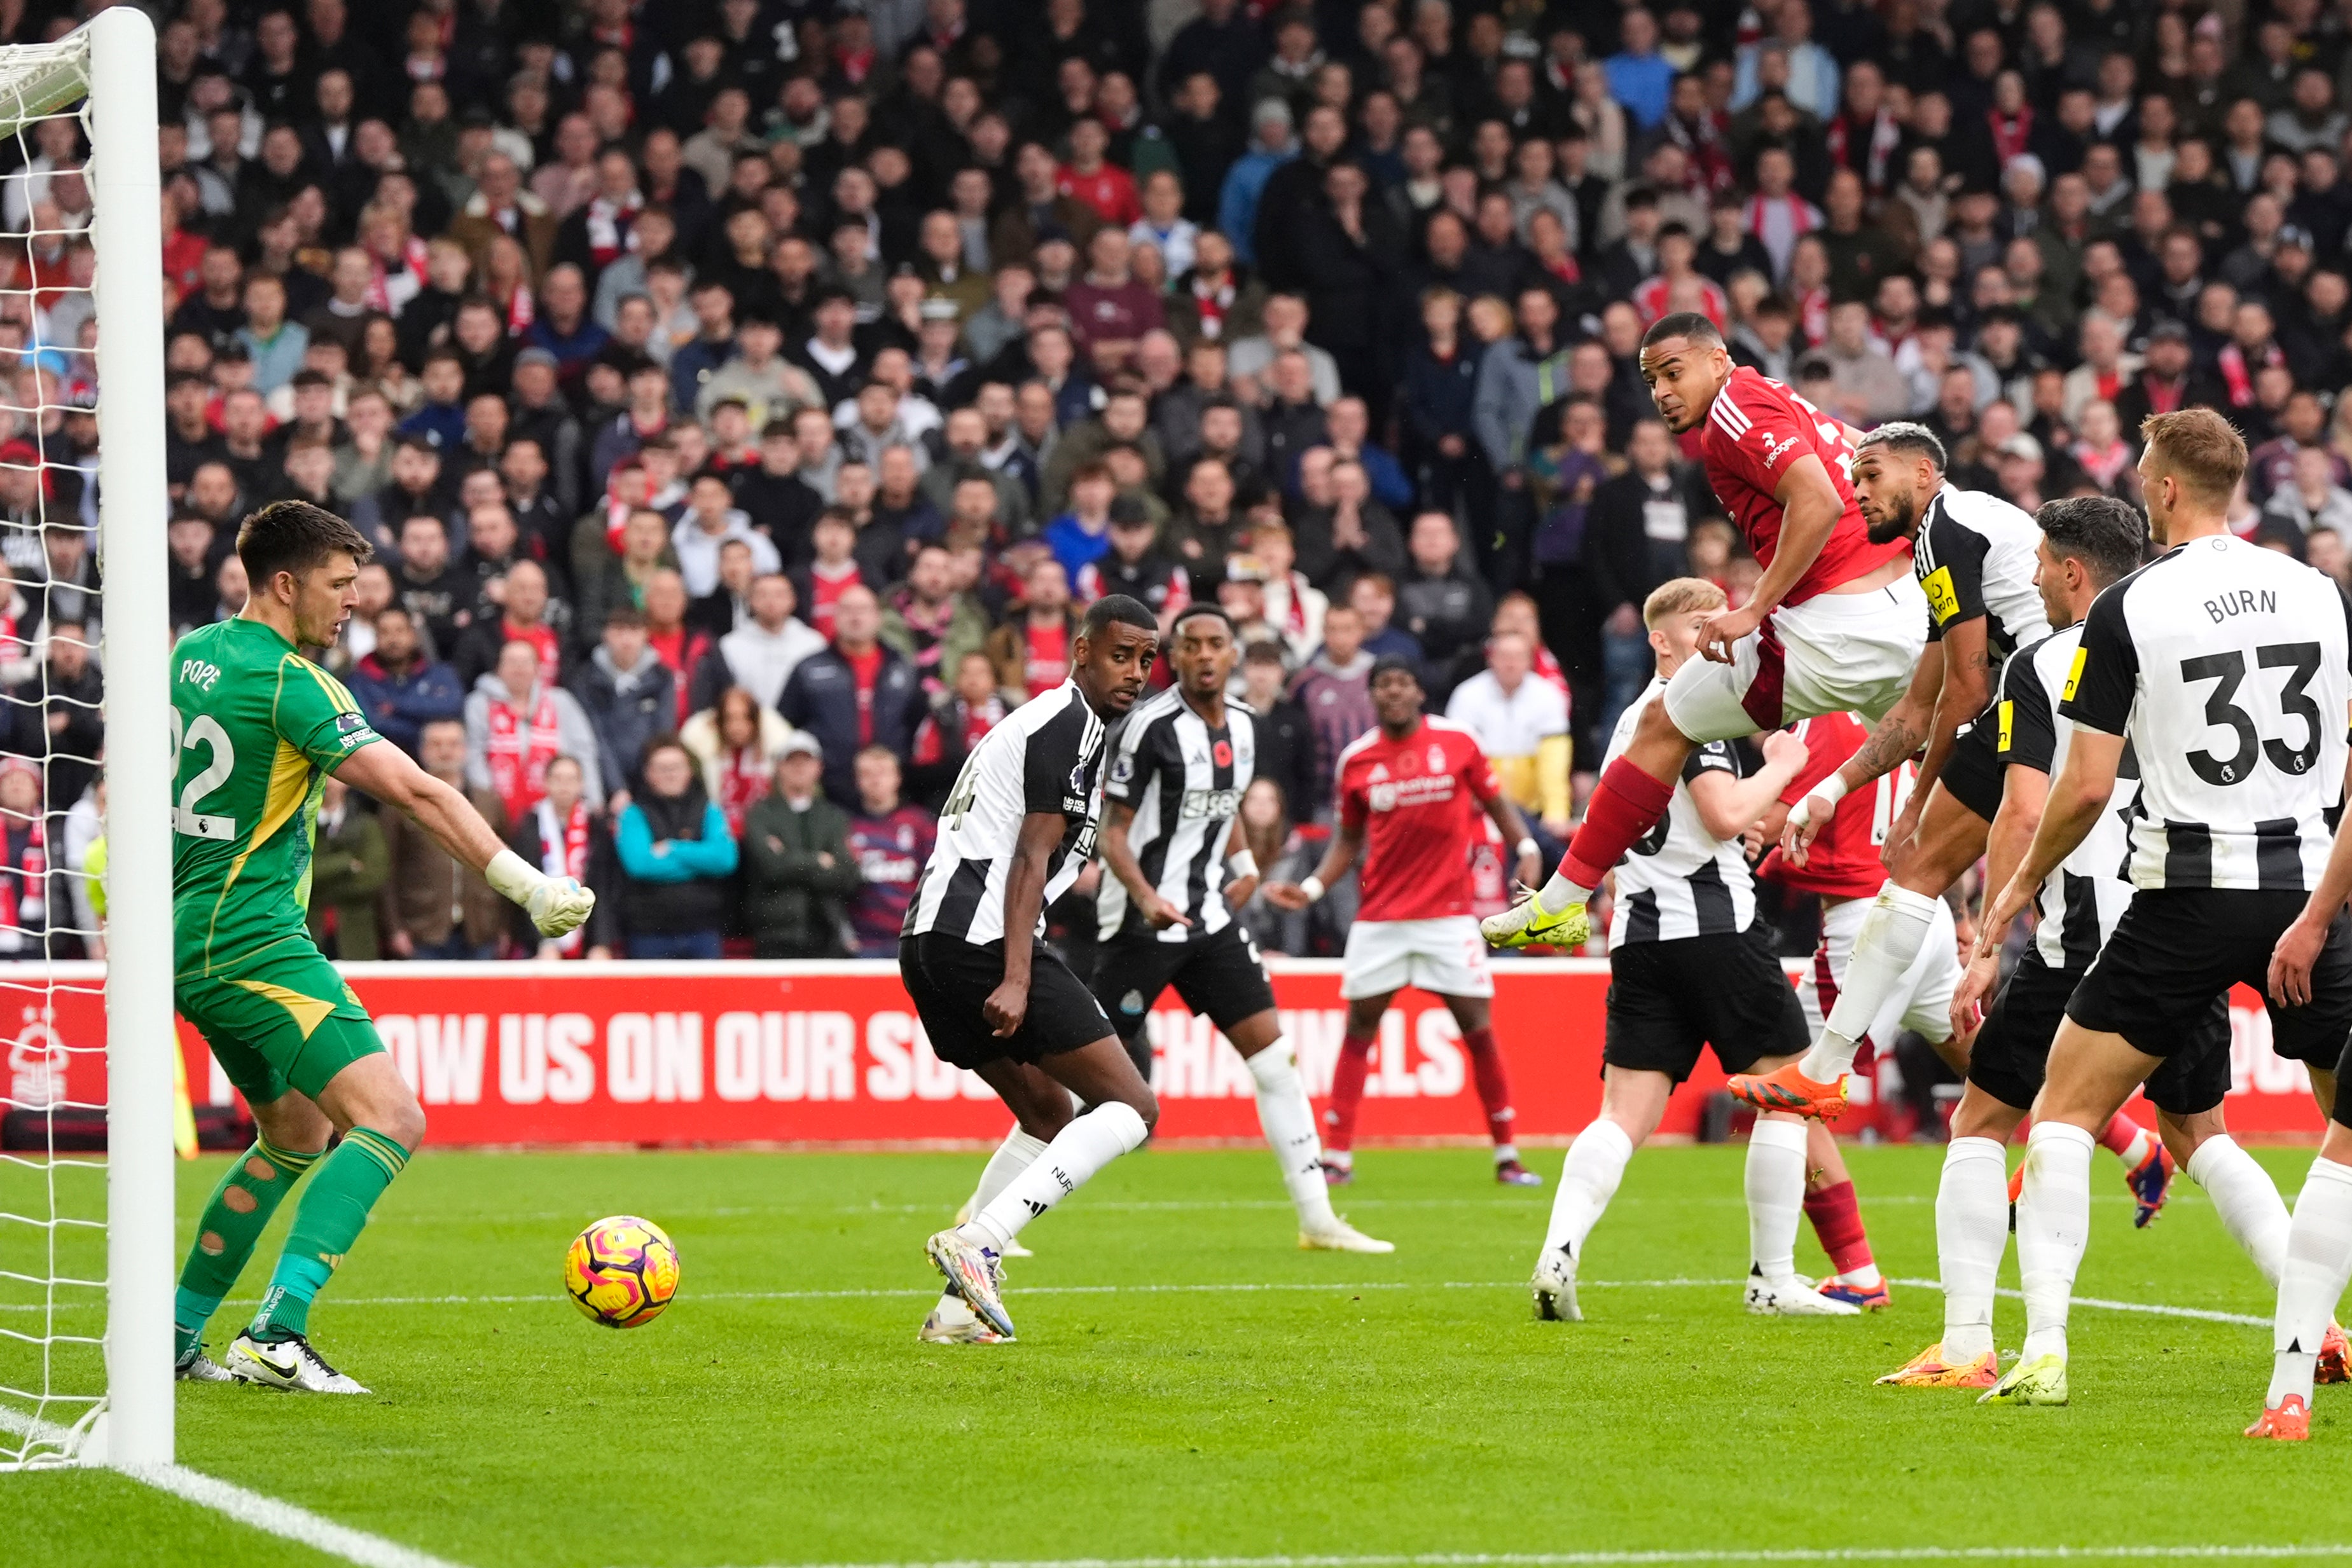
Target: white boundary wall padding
<point>136,1429</point>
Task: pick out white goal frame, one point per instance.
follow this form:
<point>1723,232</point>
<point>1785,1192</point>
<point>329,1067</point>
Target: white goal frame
<point>110,62</point>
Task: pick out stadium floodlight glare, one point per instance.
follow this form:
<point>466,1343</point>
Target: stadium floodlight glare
<point>85,1264</point>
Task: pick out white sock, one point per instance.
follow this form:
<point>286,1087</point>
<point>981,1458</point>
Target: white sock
<point>1563,890</point>
<point>1289,1121</point>
<point>1011,1157</point>
<point>1596,1163</point>
<point>2319,1262</point>
<point>1971,1233</point>
<point>1507,1154</point>
<point>2251,1210</point>
<point>1883,953</point>
<point>1775,1196</point>
<point>2053,1222</point>
<point>1089,1142</point>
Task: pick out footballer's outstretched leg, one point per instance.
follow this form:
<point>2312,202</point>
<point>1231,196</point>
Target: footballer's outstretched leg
<point>239,1211</point>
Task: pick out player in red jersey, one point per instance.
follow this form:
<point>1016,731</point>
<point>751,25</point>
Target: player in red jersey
<point>1410,794</point>
<point>1836,623</point>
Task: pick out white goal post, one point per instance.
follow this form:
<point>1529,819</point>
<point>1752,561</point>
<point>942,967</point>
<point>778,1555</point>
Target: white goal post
<point>105,73</point>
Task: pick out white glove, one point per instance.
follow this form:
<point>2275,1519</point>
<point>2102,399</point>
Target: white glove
<point>557,905</point>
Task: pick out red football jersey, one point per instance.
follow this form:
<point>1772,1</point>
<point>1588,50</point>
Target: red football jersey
<point>1418,802</point>
<point>1843,861</point>
<point>1755,429</point>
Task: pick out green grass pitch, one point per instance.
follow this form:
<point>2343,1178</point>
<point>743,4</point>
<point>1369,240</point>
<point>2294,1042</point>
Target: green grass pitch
<point>783,1413</point>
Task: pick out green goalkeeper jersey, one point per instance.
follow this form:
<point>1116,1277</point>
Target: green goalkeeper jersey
<point>255,728</point>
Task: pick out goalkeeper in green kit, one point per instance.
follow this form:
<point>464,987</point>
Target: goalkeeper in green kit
<point>255,728</point>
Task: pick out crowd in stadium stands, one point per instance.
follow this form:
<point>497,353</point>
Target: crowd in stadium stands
<point>743,395</point>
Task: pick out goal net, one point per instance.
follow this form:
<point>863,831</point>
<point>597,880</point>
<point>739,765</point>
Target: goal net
<point>86,1086</point>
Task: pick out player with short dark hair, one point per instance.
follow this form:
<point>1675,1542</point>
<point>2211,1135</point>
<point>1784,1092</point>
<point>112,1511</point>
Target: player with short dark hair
<point>1834,623</point>
<point>2223,666</point>
<point>1015,831</point>
<point>1973,555</point>
<point>1410,791</point>
<point>1179,867</point>
<point>255,729</point>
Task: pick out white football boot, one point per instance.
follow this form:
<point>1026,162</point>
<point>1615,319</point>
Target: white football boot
<point>1340,1236</point>
<point>289,1365</point>
<point>1554,1287</point>
<point>1792,1298</point>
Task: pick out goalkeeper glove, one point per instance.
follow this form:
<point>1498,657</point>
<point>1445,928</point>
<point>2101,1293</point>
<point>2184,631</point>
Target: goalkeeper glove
<point>557,905</point>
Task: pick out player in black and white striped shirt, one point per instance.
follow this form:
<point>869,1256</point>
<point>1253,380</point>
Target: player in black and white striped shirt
<point>1176,866</point>
<point>2226,666</point>
<point>2088,543</point>
<point>1689,969</point>
<point>1015,831</point>
<point>1973,555</point>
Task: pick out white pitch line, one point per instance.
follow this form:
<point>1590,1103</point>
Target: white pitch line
<point>1635,1559</point>
<point>266,1514</point>
<point>283,1520</point>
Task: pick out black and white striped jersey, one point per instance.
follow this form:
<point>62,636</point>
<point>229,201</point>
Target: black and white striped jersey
<point>2226,665</point>
<point>1679,879</point>
<point>1975,556</point>
<point>2078,905</point>
<point>1045,756</point>
<point>1185,781</point>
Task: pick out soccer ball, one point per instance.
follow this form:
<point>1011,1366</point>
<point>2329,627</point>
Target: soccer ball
<point>621,1271</point>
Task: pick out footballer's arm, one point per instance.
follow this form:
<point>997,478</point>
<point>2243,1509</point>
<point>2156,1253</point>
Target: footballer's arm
<point>2025,793</point>
<point>1242,865</point>
<point>1810,510</point>
<point>1120,856</point>
<point>1894,738</point>
<point>1514,828</point>
<point>1346,838</point>
<point>1966,690</point>
<point>556,905</point>
<point>1730,805</point>
<point>2080,792</point>
<point>1024,899</point>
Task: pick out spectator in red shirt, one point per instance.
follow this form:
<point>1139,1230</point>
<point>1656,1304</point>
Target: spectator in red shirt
<point>1106,188</point>
<point>1031,649</point>
<point>1109,311</point>
<point>675,643</point>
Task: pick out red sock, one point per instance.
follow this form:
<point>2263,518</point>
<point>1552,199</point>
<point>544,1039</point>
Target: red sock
<point>1623,807</point>
<point>2121,1133</point>
<point>1837,1220</point>
<point>1494,1083</point>
<point>1347,1092</point>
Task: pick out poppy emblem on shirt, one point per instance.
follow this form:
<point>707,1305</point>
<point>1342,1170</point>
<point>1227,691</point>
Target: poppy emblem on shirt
<point>1224,753</point>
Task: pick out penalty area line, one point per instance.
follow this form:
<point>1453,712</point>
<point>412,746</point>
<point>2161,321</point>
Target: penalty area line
<point>271,1516</point>
<point>1635,1559</point>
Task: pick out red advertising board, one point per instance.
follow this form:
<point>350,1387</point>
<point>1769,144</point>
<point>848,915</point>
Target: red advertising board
<point>752,1052</point>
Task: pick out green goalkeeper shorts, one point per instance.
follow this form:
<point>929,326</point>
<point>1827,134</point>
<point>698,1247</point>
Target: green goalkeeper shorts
<point>288,1022</point>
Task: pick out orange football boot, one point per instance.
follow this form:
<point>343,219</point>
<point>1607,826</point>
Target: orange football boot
<point>2290,1422</point>
<point>1928,1369</point>
<point>2335,1358</point>
<point>1787,1089</point>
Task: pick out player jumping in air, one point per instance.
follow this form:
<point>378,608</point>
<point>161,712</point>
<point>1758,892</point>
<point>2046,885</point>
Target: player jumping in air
<point>2087,543</point>
<point>1178,868</point>
<point>1836,623</point>
<point>256,730</point>
<point>2224,664</point>
<point>1410,793</point>
<point>1015,831</point>
<point>1691,968</point>
<point>1974,555</point>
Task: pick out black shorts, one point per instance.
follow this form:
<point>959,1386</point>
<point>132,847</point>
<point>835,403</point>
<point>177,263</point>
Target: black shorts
<point>1218,975</point>
<point>1669,1000</point>
<point>949,979</point>
<point>1972,773</point>
<point>2011,1053</point>
<point>2177,948</point>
